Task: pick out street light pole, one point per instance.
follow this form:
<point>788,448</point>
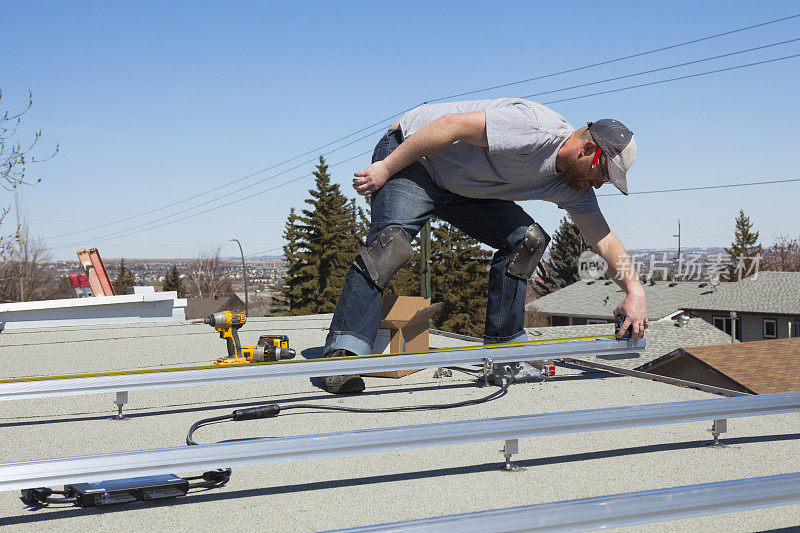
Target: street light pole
<point>244,270</point>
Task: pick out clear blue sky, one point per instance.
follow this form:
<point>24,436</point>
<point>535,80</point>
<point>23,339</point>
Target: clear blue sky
<point>153,102</point>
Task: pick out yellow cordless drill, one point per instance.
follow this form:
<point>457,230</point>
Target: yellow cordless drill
<point>269,347</point>
<point>227,323</point>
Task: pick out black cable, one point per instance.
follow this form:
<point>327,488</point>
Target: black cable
<point>273,409</point>
<point>42,496</point>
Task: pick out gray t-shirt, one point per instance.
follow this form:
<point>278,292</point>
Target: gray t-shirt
<point>520,162</point>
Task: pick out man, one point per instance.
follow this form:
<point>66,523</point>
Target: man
<point>466,163</point>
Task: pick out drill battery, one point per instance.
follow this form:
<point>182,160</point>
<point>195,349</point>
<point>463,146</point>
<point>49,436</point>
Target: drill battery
<point>278,341</point>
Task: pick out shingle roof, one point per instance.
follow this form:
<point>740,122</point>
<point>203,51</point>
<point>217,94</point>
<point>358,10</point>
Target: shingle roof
<point>767,292</point>
<point>662,338</point>
<point>597,299</point>
<point>763,367</point>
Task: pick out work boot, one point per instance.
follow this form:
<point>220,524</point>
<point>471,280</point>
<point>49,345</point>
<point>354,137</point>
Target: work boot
<point>348,384</point>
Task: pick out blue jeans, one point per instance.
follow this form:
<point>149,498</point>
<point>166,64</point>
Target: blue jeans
<point>407,201</point>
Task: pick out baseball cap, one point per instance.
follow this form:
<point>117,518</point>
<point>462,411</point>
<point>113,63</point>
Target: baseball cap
<point>618,143</point>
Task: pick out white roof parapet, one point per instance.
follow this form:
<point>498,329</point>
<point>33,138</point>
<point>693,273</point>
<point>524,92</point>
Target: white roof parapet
<point>124,308</point>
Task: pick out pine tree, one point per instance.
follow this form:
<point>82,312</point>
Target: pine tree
<point>125,278</point>
<point>289,296</point>
<point>459,279</point>
<point>174,282</point>
<point>743,249</point>
<point>321,243</point>
<point>562,267</point>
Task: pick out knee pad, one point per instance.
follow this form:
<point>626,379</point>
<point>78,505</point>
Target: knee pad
<point>528,253</point>
<point>385,256</point>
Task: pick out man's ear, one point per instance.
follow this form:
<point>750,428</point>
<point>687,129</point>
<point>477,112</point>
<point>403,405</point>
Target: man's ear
<point>589,148</point>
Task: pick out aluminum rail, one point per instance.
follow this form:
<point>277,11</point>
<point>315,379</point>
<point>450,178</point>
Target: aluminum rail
<point>618,510</point>
<point>67,470</point>
<point>43,387</point>
<point>656,377</point>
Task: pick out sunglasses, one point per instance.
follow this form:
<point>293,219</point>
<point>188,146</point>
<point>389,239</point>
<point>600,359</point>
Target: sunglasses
<point>596,160</point>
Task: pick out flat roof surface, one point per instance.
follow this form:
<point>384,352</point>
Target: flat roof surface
<point>371,488</point>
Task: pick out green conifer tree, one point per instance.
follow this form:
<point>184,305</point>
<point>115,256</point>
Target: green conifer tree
<point>743,249</point>
<point>125,278</point>
<point>562,268</point>
<point>325,238</point>
<point>174,282</point>
<point>459,279</point>
<point>288,297</point>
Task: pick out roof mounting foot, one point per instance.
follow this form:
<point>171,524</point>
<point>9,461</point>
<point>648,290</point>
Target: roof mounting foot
<point>718,427</point>
<point>488,367</point>
<point>511,447</point>
<point>120,401</point>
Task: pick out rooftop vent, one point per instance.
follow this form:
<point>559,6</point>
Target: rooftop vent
<point>673,283</point>
<point>703,285</point>
<point>609,282</point>
<point>683,321</point>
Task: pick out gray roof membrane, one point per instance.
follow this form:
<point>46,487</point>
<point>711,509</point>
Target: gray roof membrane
<point>333,493</point>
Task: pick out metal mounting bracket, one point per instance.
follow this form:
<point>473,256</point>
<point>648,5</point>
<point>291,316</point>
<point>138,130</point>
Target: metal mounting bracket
<point>120,401</point>
<point>511,447</point>
<point>718,427</point>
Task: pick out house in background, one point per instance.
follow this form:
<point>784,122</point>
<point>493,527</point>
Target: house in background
<point>763,306</point>
<point>663,337</point>
<point>759,367</point>
<point>593,302</point>
<point>203,307</point>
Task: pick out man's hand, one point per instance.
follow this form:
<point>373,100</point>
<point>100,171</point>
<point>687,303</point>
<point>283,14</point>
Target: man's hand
<point>635,313</point>
<point>372,179</point>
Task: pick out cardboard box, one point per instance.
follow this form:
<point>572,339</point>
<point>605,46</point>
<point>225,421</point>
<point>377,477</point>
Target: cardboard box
<point>404,328</point>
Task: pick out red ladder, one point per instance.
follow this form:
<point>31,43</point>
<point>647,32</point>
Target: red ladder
<point>96,271</point>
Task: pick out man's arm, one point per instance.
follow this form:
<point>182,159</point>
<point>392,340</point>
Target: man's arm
<point>439,134</point>
<point>595,229</point>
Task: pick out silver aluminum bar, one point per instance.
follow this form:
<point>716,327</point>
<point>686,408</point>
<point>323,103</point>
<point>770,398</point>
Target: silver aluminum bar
<point>618,510</point>
<point>261,451</point>
<point>138,380</point>
<point>657,377</point>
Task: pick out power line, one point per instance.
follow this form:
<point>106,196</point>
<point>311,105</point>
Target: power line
<point>383,121</point>
<point>729,185</point>
<point>370,134</point>
<point>134,230</point>
<point>673,79</point>
<point>642,73</point>
<point>225,205</point>
<point>726,186</point>
<point>607,62</point>
<point>224,199</point>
